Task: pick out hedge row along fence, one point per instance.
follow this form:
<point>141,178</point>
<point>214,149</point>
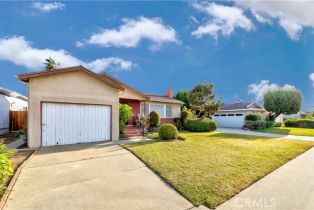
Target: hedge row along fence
<point>299,123</point>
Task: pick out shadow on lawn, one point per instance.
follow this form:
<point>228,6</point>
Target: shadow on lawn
<point>235,136</point>
<point>282,131</point>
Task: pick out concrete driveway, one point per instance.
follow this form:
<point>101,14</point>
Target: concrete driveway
<point>91,176</point>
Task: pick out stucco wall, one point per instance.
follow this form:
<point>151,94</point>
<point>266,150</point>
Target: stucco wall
<point>71,87</point>
<point>4,114</point>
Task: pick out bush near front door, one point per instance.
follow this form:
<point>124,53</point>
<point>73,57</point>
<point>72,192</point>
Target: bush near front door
<point>125,112</point>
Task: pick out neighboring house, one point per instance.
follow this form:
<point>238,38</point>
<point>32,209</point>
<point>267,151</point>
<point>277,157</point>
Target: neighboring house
<point>233,115</point>
<point>10,101</point>
<point>75,105</point>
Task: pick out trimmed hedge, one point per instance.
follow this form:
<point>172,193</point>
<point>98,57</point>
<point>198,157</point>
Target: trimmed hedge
<point>277,124</point>
<point>252,117</point>
<point>154,119</point>
<point>168,131</point>
<point>299,123</point>
<point>260,124</point>
<point>204,125</point>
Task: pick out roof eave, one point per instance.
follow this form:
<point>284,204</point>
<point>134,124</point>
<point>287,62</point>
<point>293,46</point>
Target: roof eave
<point>25,77</point>
<point>231,110</point>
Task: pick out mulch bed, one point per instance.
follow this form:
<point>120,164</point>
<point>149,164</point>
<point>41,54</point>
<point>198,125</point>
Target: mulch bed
<point>9,137</point>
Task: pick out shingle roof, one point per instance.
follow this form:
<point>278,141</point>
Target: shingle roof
<point>164,99</point>
<point>240,105</point>
<point>125,86</point>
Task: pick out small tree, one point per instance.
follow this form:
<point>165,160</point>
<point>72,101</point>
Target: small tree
<point>201,100</point>
<point>282,101</point>
<point>51,64</point>
<point>143,124</point>
<point>125,113</point>
<point>183,96</point>
<point>154,119</point>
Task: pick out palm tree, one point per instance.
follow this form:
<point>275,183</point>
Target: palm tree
<point>51,64</point>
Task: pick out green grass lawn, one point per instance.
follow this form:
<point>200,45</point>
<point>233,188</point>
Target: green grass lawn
<point>289,131</point>
<point>210,168</point>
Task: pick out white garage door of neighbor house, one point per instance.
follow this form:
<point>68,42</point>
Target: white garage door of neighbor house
<point>229,120</point>
<point>74,123</point>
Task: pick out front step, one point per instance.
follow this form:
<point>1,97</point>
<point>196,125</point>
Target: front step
<point>131,131</point>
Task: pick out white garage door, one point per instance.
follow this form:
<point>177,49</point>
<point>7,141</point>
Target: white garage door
<point>229,120</point>
<point>74,123</point>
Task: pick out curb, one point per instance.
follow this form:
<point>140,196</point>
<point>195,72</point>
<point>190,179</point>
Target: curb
<point>6,195</point>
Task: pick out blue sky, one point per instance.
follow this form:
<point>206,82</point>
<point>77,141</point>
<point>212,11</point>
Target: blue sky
<point>244,48</point>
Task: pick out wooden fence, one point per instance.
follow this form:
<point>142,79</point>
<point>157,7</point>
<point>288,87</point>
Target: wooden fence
<point>17,120</point>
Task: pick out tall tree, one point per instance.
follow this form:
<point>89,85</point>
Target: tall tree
<point>282,101</point>
<point>51,64</point>
<point>201,100</point>
<point>183,96</point>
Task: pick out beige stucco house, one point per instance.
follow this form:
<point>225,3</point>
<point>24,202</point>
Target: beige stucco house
<point>75,105</point>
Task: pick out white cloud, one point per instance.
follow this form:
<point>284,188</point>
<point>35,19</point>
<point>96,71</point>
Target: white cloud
<point>20,52</point>
<point>311,77</point>
<point>131,32</point>
<point>261,17</point>
<point>224,20</point>
<point>47,7</point>
<point>292,16</point>
<point>260,88</point>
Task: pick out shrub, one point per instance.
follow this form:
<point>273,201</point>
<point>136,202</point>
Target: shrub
<point>185,115</point>
<point>5,163</point>
<point>154,119</point>
<point>299,123</point>
<point>204,125</point>
<point>178,123</point>
<point>252,117</point>
<point>277,124</point>
<point>125,113</point>
<point>259,124</point>
<point>168,131</point>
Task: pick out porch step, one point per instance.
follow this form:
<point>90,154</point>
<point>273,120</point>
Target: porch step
<point>131,131</point>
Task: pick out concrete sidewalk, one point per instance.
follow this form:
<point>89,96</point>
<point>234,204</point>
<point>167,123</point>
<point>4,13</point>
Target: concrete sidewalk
<point>291,187</point>
<point>272,135</point>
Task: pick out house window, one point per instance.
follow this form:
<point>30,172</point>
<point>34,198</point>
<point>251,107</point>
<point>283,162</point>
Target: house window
<point>239,114</point>
<point>216,115</point>
<point>223,115</point>
<point>146,111</point>
<point>159,108</point>
<point>168,110</point>
<point>230,114</point>
<point>142,108</point>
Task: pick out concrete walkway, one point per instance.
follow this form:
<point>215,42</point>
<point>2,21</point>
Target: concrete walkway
<point>272,135</point>
<point>91,176</point>
<point>291,187</point>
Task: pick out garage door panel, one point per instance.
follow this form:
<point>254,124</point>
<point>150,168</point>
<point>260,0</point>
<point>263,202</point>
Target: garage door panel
<point>229,121</point>
<point>74,123</point>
